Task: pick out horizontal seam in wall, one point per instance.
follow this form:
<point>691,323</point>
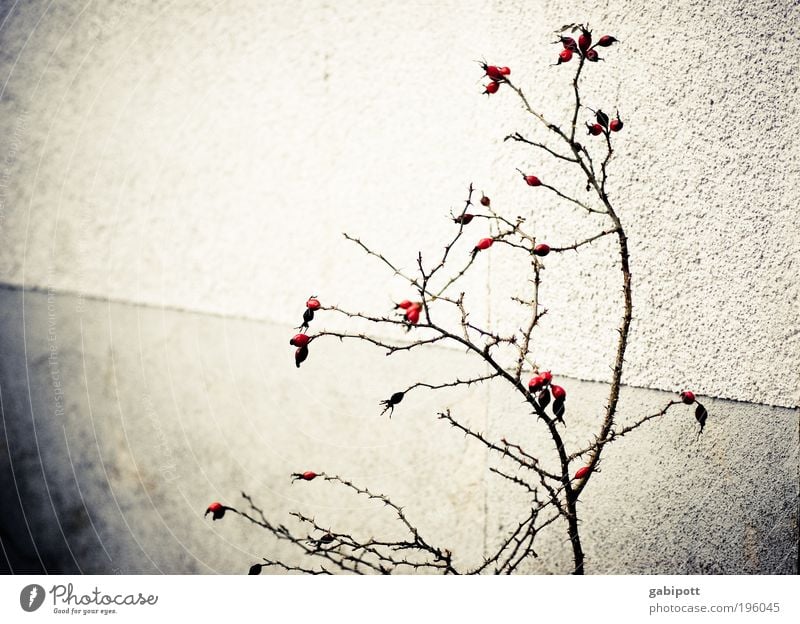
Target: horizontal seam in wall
<point>241,317</point>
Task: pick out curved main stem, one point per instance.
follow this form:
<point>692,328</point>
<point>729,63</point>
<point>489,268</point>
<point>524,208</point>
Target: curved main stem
<point>573,493</point>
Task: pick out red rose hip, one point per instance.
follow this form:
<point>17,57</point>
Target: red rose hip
<point>569,44</point>
<point>412,315</point>
<point>585,40</point>
<point>582,472</point>
<point>541,250</point>
<point>536,383</point>
<point>492,87</point>
<point>616,125</point>
<point>313,303</point>
<point>484,243</point>
<point>532,180</point>
<point>606,40</point>
<point>594,129</point>
<point>300,340</point>
<point>565,56</point>
<point>495,73</point>
<point>687,397</point>
<point>217,510</point>
<point>558,392</point>
<point>308,475</point>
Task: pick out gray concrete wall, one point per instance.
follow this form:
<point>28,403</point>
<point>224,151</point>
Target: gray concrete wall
<point>205,156</point>
<point>123,422</point>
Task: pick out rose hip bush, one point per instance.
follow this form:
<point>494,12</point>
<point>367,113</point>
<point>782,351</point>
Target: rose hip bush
<point>554,484</point>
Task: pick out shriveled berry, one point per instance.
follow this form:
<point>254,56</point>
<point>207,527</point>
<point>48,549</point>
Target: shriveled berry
<point>544,398</point>
<point>565,56</point>
<point>569,44</point>
<point>255,569</point>
<point>494,72</point>
<point>687,397</point>
<point>558,392</point>
<point>326,539</point>
<point>616,125</point>
<point>300,356</point>
<point>464,218</point>
<point>591,55</point>
<point>485,201</point>
<point>484,243</point>
<point>308,475</point>
<point>558,409</point>
<point>541,250</point>
<point>594,129</point>
<point>585,40</point>
<point>602,118</point>
<point>299,340</point>
<point>582,472</point>
<point>606,40</point>
<point>388,404</point>
<point>532,180</point>
<point>492,87</point>
<point>217,510</point>
<point>313,303</point>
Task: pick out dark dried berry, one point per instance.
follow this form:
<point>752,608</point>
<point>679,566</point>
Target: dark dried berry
<point>558,409</point>
<point>544,398</point>
<point>701,414</point>
<point>388,404</point>
<point>300,356</point>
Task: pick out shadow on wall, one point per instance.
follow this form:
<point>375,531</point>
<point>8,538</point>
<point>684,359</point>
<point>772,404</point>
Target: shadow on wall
<point>121,423</point>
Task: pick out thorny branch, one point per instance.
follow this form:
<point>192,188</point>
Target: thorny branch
<point>551,488</point>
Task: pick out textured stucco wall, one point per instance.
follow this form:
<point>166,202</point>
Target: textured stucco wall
<point>123,422</point>
<point>206,156</point>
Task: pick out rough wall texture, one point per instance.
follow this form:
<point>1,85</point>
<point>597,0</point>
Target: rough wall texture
<point>205,156</point>
<point>122,423</point>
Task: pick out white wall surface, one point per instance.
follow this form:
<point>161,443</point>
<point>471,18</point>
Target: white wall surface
<point>206,156</point>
